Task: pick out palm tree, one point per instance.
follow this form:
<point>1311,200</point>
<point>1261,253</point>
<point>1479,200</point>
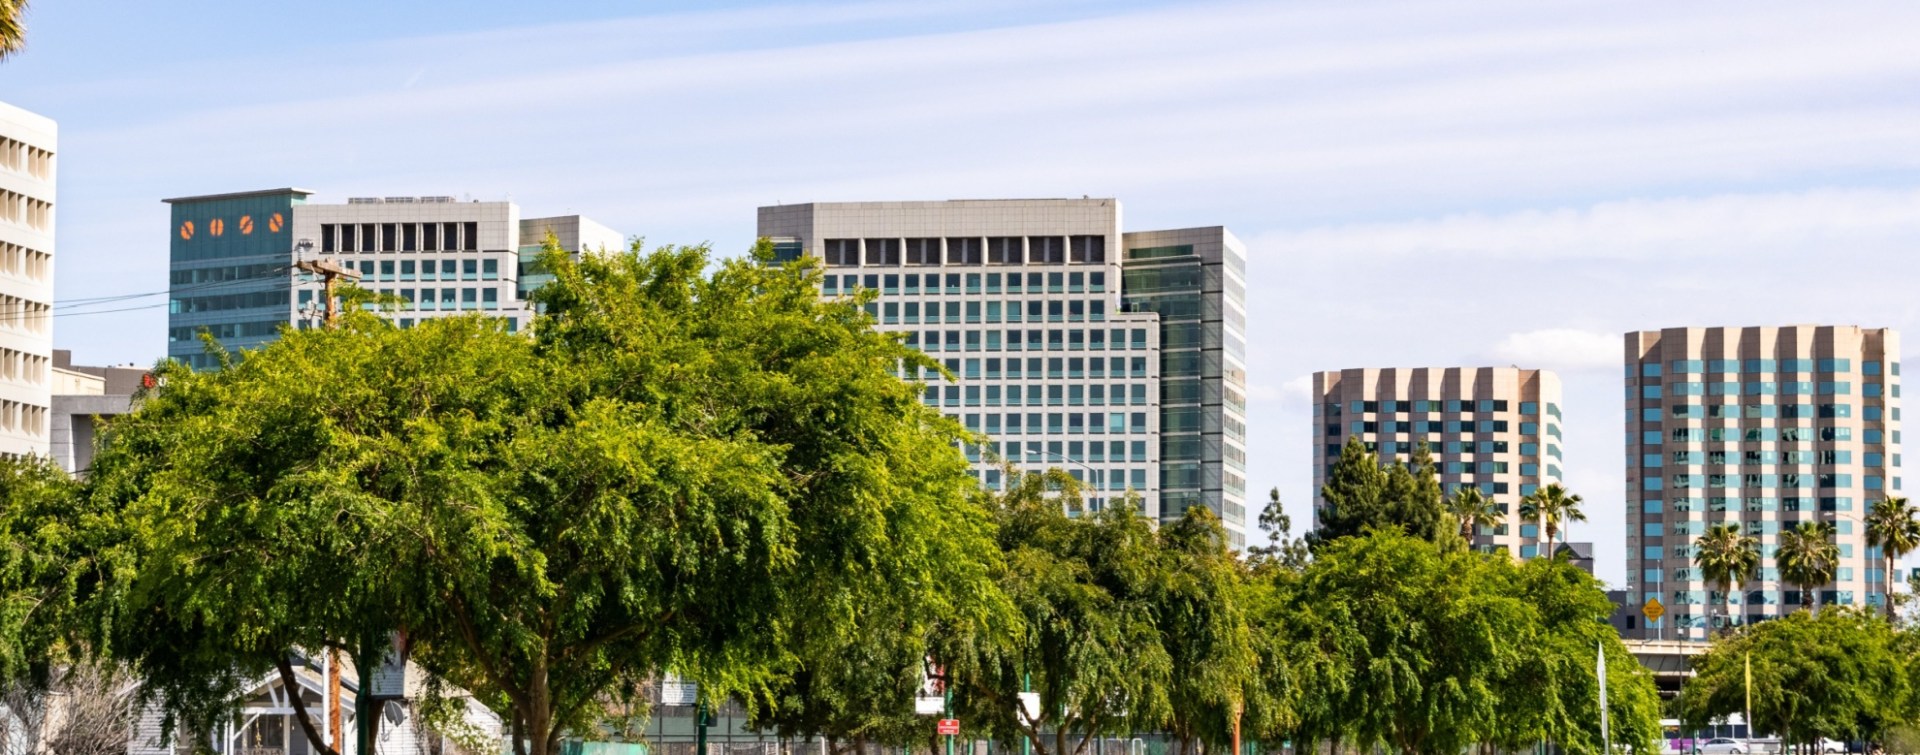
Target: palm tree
<point>12,34</point>
<point>1893,526</point>
<point>1549,507</point>
<point>1726,558</point>
<point>1808,558</point>
<point>1473,510</point>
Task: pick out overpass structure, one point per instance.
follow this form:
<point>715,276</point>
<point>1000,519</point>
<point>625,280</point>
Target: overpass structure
<point>1671,661</point>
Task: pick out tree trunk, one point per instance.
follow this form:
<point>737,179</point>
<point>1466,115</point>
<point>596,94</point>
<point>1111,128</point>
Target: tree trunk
<point>292,688</point>
<point>1886,576</point>
<point>539,710</point>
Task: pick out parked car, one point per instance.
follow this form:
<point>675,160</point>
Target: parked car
<point>1721,746</point>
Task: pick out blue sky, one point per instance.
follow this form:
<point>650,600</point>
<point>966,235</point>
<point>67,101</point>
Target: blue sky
<point>1419,183</point>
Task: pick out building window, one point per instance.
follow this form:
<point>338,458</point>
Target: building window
<point>1005,250</point>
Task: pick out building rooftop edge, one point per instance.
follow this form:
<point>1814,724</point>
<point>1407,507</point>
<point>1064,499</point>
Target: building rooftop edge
<point>241,195</point>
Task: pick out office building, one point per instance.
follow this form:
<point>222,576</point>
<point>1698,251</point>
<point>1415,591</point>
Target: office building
<point>84,397</point>
<point>28,146</point>
<point>1763,427</point>
<point>1497,428</point>
<point>233,257</point>
<point>1022,301</point>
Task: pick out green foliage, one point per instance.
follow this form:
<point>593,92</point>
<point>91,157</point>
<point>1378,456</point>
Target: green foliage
<point>13,32</point>
<point>51,565</point>
<point>1472,510</point>
<point>1841,674</point>
<point>713,473</point>
<point>1727,559</point>
<point>1362,495</point>
<point>1893,526</point>
<point>1808,558</point>
<point>1281,550</point>
<point>1552,507</point>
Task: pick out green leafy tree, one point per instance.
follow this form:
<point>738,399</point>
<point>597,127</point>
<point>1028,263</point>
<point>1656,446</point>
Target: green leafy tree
<point>1808,557</point>
<point>1837,675</point>
<point>1552,507</point>
<point>1087,642</point>
<point>1727,559</point>
<point>1361,494</point>
<point>1473,510</point>
<point>1203,628</point>
<point>52,566</point>
<point>680,471</point>
<point>1282,549</point>
<point>1893,526</point>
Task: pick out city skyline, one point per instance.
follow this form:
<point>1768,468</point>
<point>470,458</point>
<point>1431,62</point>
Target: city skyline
<point>1477,185</point>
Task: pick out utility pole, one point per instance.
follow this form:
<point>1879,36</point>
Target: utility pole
<point>328,271</point>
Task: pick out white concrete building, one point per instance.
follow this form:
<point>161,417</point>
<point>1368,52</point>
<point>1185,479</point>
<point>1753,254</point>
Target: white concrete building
<point>28,145</point>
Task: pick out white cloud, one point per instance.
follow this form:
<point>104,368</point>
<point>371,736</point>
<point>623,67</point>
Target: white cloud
<point>1560,349</point>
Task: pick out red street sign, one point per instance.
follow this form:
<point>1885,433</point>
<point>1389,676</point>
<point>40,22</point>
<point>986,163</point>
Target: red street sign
<point>949,727</point>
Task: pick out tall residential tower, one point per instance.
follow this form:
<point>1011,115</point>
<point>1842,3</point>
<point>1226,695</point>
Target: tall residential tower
<point>1763,428</point>
<point>1494,427</point>
<point>1054,358</point>
<point>28,145</point>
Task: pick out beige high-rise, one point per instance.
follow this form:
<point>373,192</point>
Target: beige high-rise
<point>27,147</point>
<point>1495,427</point>
<point>1763,427</point>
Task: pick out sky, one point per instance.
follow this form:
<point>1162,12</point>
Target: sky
<point>1496,182</point>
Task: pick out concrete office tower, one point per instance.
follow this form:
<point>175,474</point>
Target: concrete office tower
<point>1495,427</point>
<point>28,145</point>
<point>1195,279</point>
<point>233,256</point>
<point>1020,299</point>
<point>1764,428</point>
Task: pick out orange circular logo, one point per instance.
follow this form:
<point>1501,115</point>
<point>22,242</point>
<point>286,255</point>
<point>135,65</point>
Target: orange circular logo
<point>273,222</point>
<point>246,225</point>
<point>216,227</point>
<point>186,230</point>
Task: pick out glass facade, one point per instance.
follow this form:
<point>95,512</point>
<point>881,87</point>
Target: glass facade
<point>230,268</point>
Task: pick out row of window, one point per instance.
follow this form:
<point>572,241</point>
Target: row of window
<point>24,158</point>
<point>1075,310</point>
<point>1071,339</point>
<point>1719,504</point>
<point>1766,458</point>
<point>991,250</point>
<point>1760,411</point>
<point>25,315</point>
<point>1758,528</point>
<point>29,419</point>
<point>1689,551</point>
<point>1036,368</point>
<point>891,284</point>
<point>1447,426</point>
<point>24,262</point>
<point>1763,481</point>
<point>21,209</point>
<point>1727,366</point>
<point>1388,449</point>
<point>1037,395</point>
<point>227,330</point>
<point>427,270</point>
<point>1764,388</point>
<point>1789,597</point>
<point>1059,453</point>
<point>21,367</point>
<point>400,237</point>
<point>1449,406</point>
<point>429,299</point>
<point>1759,434</point>
<point>1058,423</point>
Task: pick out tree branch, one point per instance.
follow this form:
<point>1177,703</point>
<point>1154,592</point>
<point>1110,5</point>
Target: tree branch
<point>291,684</point>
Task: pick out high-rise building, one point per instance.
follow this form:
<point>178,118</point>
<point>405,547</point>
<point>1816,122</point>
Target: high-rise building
<point>233,257</point>
<point>28,145</point>
<point>1497,428</point>
<point>1022,300</point>
<point>1764,428</point>
<point>1195,279</point>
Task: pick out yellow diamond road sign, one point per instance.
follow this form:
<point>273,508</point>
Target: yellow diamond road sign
<point>1653,610</point>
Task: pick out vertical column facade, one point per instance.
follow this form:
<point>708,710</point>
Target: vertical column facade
<point>28,165</point>
<point>1195,279</point>
<point>1494,427</point>
<point>1764,428</point>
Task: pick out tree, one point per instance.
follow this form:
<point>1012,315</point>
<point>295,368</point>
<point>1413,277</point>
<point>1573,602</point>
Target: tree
<point>1808,557</point>
<point>1893,526</point>
<point>1281,548</point>
<point>1473,510</point>
<point>1087,641</point>
<point>13,32</point>
<point>1726,558</point>
<point>1361,494</point>
<point>52,567</point>
<point>1835,675</point>
<point>1551,506</point>
<point>1204,631</point>
<point>706,473</point>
